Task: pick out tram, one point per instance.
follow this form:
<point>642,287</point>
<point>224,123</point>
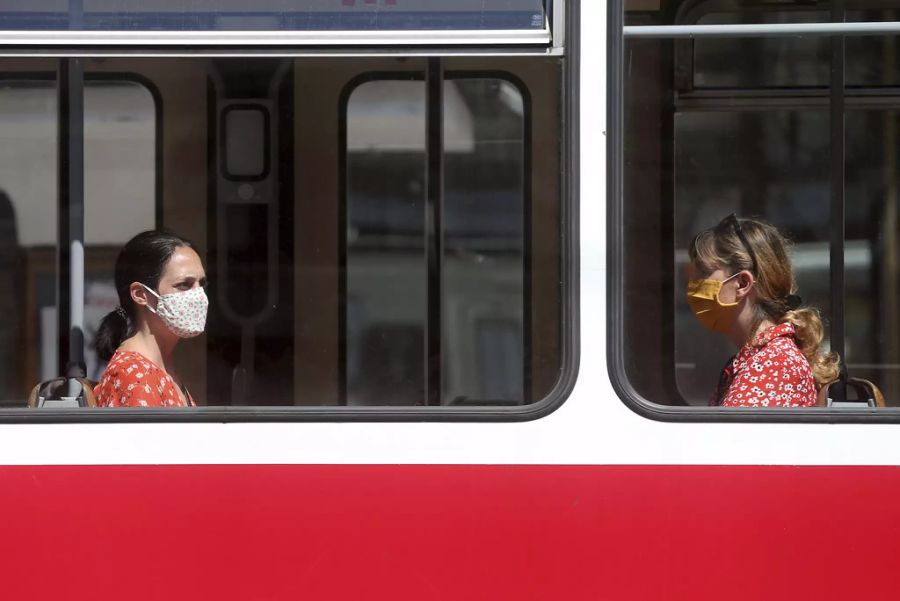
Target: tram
<point>448,354</point>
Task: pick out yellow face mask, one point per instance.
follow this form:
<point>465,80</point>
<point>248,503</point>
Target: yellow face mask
<point>703,298</point>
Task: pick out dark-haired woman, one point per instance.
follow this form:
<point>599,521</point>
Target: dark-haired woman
<point>159,280</point>
<point>742,286</point>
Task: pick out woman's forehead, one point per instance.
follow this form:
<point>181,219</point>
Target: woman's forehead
<point>185,262</point>
<point>702,269</point>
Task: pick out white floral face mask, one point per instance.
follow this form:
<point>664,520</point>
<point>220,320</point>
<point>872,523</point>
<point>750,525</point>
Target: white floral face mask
<point>184,313</point>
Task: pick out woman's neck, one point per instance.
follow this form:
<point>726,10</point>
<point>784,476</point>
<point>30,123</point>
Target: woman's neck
<point>159,347</point>
<point>747,326</point>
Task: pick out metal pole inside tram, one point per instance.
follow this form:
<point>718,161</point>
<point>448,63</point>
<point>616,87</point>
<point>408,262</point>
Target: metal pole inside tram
<point>434,211</point>
<point>70,167</point>
<point>70,284</point>
<point>838,392</point>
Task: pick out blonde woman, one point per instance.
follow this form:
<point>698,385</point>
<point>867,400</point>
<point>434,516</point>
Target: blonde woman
<point>742,287</point>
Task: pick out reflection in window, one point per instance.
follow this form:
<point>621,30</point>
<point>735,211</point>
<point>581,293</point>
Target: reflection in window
<point>484,241</point>
<point>482,302</point>
<point>792,61</point>
<point>119,201</point>
<point>872,257</point>
<point>385,237</point>
<point>119,191</point>
<point>28,221</point>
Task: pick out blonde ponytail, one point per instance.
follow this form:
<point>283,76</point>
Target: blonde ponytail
<point>809,333</point>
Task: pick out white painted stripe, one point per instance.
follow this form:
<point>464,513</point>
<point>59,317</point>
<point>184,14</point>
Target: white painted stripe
<point>592,427</point>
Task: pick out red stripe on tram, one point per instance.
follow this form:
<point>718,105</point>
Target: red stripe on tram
<point>263,532</point>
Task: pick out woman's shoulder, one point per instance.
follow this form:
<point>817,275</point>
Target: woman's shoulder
<point>130,379</point>
<point>131,360</point>
<point>780,349</point>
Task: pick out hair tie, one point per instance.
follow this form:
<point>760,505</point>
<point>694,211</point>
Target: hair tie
<point>793,301</point>
<point>121,313</point>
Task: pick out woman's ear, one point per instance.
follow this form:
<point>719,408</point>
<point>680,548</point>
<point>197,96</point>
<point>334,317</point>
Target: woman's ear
<point>139,294</point>
<point>745,283</point>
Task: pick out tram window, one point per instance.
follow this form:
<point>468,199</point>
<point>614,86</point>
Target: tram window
<point>743,125</point>
<point>483,241</point>
<point>119,172</point>
<point>315,239</point>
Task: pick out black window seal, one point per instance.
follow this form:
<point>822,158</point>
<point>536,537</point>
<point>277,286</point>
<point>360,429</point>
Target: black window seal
<point>615,284</point>
<point>569,319</point>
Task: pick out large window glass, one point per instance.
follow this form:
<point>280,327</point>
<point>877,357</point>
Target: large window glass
<point>119,156</point>
<point>481,268</point>
<point>746,125</point>
<point>368,241</point>
<point>28,220</point>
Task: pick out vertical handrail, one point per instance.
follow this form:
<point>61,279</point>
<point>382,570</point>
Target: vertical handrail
<point>434,210</point>
<point>838,192</point>
<point>70,250</point>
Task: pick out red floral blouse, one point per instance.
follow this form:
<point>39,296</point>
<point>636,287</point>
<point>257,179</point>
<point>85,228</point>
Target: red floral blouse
<point>132,380</point>
<point>769,371</point>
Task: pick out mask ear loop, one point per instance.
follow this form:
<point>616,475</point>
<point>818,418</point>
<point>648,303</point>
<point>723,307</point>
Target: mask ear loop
<point>153,292</point>
<point>721,283</point>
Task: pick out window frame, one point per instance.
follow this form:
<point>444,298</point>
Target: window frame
<point>567,126</point>
<point>615,232</point>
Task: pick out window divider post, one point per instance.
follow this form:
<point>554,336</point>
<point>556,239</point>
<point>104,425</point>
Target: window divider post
<point>434,211</point>
<point>70,250</point>
<point>838,193</point>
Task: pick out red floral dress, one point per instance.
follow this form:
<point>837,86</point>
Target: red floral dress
<point>769,371</point>
<point>132,380</point>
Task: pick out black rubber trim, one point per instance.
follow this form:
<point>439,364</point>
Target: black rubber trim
<point>615,284</point>
<point>569,320</point>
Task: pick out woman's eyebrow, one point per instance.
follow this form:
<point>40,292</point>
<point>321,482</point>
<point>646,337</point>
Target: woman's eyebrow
<point>190,279</point>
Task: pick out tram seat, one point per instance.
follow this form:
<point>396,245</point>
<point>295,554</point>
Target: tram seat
<point>867,395</point>
<point>63,393</point>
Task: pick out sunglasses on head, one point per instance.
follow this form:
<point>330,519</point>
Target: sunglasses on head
<point>736,224</point>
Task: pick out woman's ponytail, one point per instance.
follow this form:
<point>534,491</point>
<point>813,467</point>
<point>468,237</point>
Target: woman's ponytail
<point>112,331</point>
<point>809,332</point>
